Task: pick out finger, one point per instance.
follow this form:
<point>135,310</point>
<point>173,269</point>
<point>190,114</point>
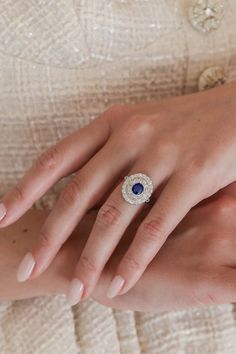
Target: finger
<point>112,220</point>
<point>58,161</point>
<point>177,198</point>
<point>78,196</point>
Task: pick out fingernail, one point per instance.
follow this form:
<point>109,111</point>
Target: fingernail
<point>115,286</point>
<point>3,211</point>
<point>25,268</point>
<point>75,291</point>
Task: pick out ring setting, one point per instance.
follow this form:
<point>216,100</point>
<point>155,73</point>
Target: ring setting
<point>137,188</point>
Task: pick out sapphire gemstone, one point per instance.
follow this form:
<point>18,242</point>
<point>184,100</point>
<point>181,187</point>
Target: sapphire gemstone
<point>137,188</point>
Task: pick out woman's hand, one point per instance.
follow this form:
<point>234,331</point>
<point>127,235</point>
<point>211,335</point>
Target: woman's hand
<point>185,144</point>
<point>195,266</point>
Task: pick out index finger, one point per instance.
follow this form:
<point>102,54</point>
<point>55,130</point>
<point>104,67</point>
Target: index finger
<point>58,161</point>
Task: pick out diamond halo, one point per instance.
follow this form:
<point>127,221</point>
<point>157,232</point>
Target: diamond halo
<point>129,184</point>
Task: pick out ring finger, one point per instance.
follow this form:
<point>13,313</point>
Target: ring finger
<point>112,220</point>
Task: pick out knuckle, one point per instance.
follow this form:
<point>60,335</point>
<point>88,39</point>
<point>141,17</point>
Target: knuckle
<point>87,265</point>
<point>211,238</point>
<point>134,129</point>
<point>45,240</point>
<point>224,206</point>
<point>18,192</point>
<point>49,159</point>
<point>134,133</point>
<point>141,123</point>
<point>109,215</point>
<point>113,113</point>
<point>197,169</point>
<point>164,148</point>
<point>223,238</point>
<point>131,263</point>
<point>71,194</point>
<point>218,240</point>
<point>198,175</point>
<point>115,110</point>
<point>152,230</point>
<point>199,164</point>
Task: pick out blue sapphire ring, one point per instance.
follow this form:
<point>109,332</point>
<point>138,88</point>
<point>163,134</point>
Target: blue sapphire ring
<point>137,188</point>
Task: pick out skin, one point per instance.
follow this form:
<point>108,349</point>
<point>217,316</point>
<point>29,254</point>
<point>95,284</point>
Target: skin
<point>195,267</point>
<point>185,144</point>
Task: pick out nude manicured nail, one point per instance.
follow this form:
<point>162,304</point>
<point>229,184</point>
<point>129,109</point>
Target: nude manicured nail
<point>26,267</point>
<point>115,286</point>
<point>3,211</point>
<point>75,291</point>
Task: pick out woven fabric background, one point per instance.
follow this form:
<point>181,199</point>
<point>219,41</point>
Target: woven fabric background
<point>62,63</point>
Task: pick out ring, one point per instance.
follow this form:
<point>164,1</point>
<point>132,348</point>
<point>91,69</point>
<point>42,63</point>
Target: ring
<point>137,188</point>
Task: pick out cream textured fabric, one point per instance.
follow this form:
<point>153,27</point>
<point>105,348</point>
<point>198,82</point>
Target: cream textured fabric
<point>62,63</point>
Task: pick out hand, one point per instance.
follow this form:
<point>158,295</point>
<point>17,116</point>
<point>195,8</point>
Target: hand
<point>196,266</point>
<point>185,144</point>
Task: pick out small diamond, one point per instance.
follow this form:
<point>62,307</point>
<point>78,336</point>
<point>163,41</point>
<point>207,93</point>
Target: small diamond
<point>208,12</point>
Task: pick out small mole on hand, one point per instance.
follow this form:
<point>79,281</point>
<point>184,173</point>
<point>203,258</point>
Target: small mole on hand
<point>13,241</point>
<point>25,230</point>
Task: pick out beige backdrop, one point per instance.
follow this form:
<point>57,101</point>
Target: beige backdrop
<point>63,62</point>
